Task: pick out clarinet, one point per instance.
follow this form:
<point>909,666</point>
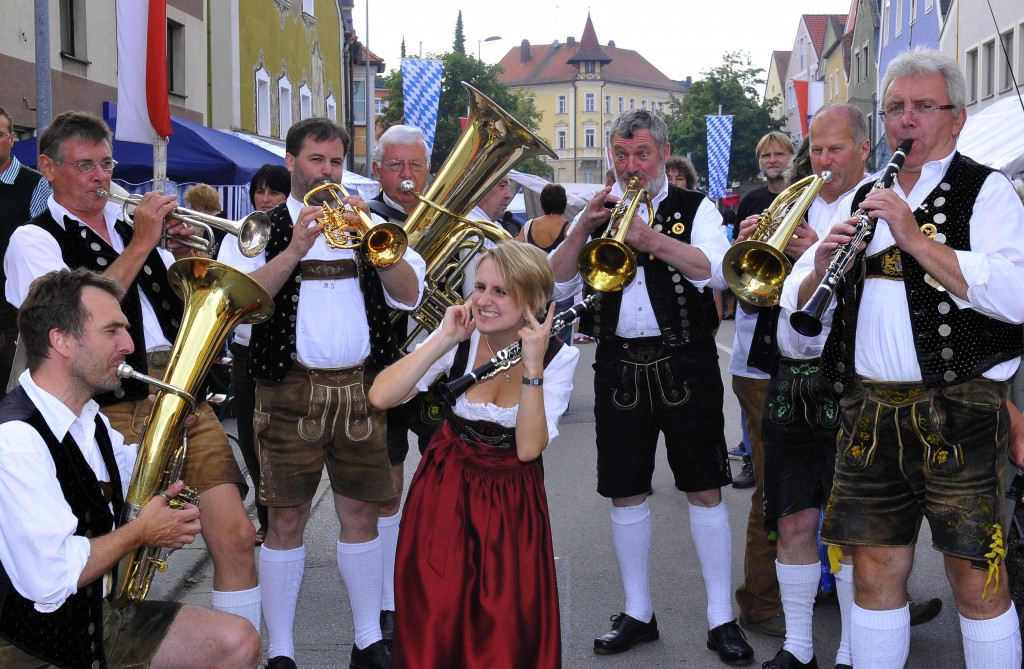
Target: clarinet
<point>510,355</point>
<point>807,321</point>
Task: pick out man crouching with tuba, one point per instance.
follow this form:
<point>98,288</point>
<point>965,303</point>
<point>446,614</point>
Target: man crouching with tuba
<point>63,477</point>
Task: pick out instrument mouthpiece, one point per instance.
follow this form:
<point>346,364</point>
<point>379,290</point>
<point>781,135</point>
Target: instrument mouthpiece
<point>826,176</point>
<point>407,186</point>
<point>125,371</point>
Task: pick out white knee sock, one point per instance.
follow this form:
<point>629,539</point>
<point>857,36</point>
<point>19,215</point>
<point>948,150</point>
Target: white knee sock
<point>631,536</point>
<point>880,639</point>
<point>712,539</point>
<point>280,579</point>
<point>361,567</point>
<point>798,583</point>
<point>245,603</point>
<point>387,530</point>
<point>844,592</point>
<point>992,644</point>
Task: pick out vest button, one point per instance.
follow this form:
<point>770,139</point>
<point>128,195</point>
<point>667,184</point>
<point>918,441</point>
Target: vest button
<point>838,387</point>
<point>947,353</point>
<point>949,376</point>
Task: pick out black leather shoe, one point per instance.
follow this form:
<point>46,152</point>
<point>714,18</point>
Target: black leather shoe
<point>387,625</point>
<point>786,660</point>
<point>375,656</point>
<point>922,612</point>
<point>281,662</point>
<point>730,643</point>
<point>626,632</point>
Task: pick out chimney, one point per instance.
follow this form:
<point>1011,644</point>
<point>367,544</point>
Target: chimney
<point>611,43</point>
<point>570,42</point>
<point>524,51</point>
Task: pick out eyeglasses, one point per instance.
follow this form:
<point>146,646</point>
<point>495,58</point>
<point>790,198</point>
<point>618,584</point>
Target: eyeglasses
<point>921,109</point>
<point>5,135</point>
<point>397,165</point>
<point>87,166</point>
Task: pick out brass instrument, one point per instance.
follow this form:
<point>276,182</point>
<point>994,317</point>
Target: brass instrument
<point>807,321</point>
<point>608,263</point>
<point>756,267</point>
<point>382,245</point>
<point>492,143</point>
<point>253,231</point>
<point>217,298</point>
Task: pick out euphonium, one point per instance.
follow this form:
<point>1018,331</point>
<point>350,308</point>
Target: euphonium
<point>492,143</point>
<point>253,231</point>
<point>217,298</point>
<point>756,267</point>
<point>608,263</point>
<point>382,245</point>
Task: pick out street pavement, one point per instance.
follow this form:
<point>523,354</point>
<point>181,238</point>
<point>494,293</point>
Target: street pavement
<point>590,589</point>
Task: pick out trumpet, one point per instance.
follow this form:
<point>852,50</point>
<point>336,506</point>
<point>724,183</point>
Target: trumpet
<point>382,245</point>
<point>807,321</point>
<point>252,232</point>
<point>607,263</point>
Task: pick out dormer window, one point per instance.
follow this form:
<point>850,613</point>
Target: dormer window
<point>590,67</point>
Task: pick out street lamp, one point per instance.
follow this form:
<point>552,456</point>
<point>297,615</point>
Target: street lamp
<point>492,38</point>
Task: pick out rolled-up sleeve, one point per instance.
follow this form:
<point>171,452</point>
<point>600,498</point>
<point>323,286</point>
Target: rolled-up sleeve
<point>709,238</point>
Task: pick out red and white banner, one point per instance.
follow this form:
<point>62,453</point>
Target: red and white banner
<point>143,108</point>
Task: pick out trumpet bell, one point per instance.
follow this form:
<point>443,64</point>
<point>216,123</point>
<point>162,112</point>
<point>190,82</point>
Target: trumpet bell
<point>253,233</point>
<point>756,271</point>
<point>384,244</point>
<point>606,264</point>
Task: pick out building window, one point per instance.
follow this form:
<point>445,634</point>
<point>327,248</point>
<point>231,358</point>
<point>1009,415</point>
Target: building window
<point>898,19</point>
<point>359,102</point>
<point>284,103</point>
<point>886,21</point>
<point>988,66</point>
<point>379,106</point>
<point>305,102</point>
<point>589,103</point>
<point>867,64</point>
<point>561,104</point>
<point>622,104</point>
<point>72,28</point>
<point>632,104</point>
<point>332,107</point>
<point>589,138</point>
<point>607,137</point>
<point>643,104</point>
<point>175,57</point>
<point>590,67</point>
<point>913,12</point>
<point>307,7</point>
<point>588,174</point>
<point>971,72</point>
<point>263,102</point>
<point>607,104</point>
<point>1006,81</point>
<point>560,138</point>
<point>928,4</point>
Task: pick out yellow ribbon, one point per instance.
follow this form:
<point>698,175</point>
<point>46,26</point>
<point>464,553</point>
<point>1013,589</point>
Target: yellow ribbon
<point>997,553</point>
<point>835,554</point>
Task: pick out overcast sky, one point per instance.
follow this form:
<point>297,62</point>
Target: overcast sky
<point>684,40</point>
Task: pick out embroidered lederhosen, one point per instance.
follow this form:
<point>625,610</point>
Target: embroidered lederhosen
<point>80,246</point>
<point>71,636</point>
<point>684,313</point>
<point>953,345</point>
<point>272,345</point>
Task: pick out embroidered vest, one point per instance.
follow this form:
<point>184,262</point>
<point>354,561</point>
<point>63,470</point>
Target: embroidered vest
<point>684,314</point>
<point>272,350</point>
<point>953,345</point>
<point>71,636</point>
<point>80,246</point>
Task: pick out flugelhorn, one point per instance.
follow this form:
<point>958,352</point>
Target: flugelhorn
<point>511,354</point>
<point>381,244</point>
<point>253,231</point>
<point>807,321</point>
<point>608,263</point>
<point>216,298</point>
<point>756,267</point>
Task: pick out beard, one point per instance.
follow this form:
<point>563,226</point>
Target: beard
<point>652,185</point>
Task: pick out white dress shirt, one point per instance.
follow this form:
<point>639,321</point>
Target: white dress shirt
<point>33,252</point>
<point>636,314</point>
<point>38,546</point>
<point>993,270</point>
<point>331,328</point>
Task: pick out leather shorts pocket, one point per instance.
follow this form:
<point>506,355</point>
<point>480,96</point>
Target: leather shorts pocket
<point>358,426</point>
<point>311,427</point>
<point>672,386</point>
<point>626,392</point>
<point>858,431</point>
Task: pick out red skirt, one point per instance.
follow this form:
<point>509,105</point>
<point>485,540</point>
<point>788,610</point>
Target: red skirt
<point>475,573</point>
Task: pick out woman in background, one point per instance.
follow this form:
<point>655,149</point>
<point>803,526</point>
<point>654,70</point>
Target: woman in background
<point>546,233</point>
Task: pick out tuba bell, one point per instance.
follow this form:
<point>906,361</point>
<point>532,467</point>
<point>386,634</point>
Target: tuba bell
<point>756,267</point>
<point>217,298</point>
<point>491,145</point>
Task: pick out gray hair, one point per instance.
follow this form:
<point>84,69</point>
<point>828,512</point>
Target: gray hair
<point>923,61</point>
<point>854,118</point>
<point>633,121</point>
<point>400,135</point>
<point>73,125</point>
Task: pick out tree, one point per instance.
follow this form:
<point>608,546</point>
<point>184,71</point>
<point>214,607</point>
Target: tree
<point>734,88</point>
<point>460,38</point>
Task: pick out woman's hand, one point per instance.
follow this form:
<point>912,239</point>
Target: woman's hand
<point>534,337</point>
<point>458,321</point>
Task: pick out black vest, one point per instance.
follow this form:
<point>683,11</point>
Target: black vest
<point>71,636</point>
<point>15,203</point>
<point>272,344</point>
<point>80,246</point>
<point>684,314</point>
<point>953,345</point>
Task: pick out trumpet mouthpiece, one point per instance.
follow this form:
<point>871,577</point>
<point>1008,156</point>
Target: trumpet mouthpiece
<point>125,371</point>
<point>826,176</point>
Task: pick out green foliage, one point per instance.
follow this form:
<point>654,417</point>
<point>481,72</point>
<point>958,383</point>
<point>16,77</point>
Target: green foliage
<point>454,105</point>
<point>734,86</point>
<point>459,46</point>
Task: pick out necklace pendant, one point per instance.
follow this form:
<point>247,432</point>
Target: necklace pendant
<point>508,377</point>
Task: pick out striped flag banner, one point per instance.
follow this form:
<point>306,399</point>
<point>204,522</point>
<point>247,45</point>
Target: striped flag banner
<point>719,144</point>
<point>143,107</point>
<point>421,91</point>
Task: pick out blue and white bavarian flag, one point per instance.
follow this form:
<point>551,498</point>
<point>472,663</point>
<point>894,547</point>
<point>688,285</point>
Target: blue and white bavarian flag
<point>719,144</point>
<point>421,90</point>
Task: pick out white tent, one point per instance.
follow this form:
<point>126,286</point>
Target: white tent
<point>993,136</point>
<point>577,195</point>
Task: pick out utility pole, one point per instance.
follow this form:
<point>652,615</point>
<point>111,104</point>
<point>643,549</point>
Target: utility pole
<point>44,112</point>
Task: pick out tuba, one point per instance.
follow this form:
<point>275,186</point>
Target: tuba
<point>492,143</point>
<point>756,267</point>
<point>607,263</point>
<point>217,298</point>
